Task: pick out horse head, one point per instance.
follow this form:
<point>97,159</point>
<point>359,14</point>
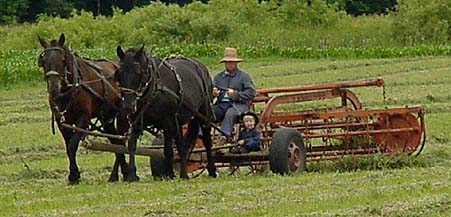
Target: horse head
<point>133,75</point>
<point>55,60</point>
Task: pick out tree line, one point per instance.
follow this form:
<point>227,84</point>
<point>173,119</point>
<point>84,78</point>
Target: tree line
<point>20,11</point>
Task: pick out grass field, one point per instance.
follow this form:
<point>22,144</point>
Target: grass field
<point>34,168</point>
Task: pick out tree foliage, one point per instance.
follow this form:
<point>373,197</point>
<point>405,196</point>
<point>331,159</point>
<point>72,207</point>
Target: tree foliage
<point>365,7</point>
<point>12,11</point>
<point>28,10</point>
<point>288,23</point>
<point>419,22</point>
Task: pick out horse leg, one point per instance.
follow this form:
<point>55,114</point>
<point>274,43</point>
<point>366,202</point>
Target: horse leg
<point>71,151</point>
<point>206,139</point>
<point>120,158</point>
<point>132,177</point>
<point>168,150</point>
<point>183,145</point>
<point>67,135</point>
<point>122,127</point>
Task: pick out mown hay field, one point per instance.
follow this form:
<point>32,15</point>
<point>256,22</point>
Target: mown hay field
<point>34,168</point>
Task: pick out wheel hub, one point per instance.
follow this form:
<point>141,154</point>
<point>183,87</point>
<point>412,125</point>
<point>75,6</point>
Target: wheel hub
<point>294,157</point>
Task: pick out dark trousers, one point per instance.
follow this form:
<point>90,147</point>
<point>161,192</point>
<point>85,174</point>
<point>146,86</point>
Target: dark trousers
<point>227,115</point>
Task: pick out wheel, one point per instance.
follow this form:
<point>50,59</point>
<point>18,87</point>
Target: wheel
<point>159,168</point>
<point>397,142</point>
<point>287,153</point>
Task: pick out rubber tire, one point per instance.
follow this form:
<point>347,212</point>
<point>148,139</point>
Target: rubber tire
<point>278,151</point>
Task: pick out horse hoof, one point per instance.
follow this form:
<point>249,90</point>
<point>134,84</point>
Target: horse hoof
<point>213,175</point>
<point>113,179</point>
<point>170,176</point>
<point>73,179</point>
<point>73,182</point>
<point>132,179</point>
<point>125,175</point>
<point>212,172</point>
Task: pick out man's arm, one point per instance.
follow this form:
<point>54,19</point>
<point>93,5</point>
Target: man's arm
<point>217,85</point>
<point>247,93</point>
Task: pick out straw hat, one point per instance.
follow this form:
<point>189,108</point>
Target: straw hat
<point>230,55</point>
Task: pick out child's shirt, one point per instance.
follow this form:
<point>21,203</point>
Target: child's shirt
<point>251,139</point>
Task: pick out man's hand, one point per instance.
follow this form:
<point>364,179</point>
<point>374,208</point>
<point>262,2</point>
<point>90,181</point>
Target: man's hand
<point>216,91</point>
<point>230,92</point>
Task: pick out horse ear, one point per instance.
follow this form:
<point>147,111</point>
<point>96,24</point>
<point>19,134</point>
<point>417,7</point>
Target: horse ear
<point>120,52</point>
<point>43,43</point>
<point>139,53</point>
<point>61,40</point>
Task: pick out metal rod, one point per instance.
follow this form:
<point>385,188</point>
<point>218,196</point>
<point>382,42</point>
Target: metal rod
<point>292,116</point>
<point>378,82</point>
<point>354,133</point>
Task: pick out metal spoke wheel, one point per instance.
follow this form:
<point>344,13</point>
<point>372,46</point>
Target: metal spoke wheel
<point>405,141</point>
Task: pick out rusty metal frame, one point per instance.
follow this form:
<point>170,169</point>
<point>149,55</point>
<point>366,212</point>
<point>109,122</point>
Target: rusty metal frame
<point>345,121</point>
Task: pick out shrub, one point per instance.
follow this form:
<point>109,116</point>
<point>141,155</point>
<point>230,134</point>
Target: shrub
<point>419,22</point>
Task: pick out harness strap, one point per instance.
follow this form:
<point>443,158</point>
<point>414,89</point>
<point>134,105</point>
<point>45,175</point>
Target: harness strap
<point>179,82</point>
<point>93,92</point>
<point>99,72</point>
<point>150,94</point>
<point>59,115</point>
<point>53,123</point>
<point>76,73</point>
<point>50,73</point>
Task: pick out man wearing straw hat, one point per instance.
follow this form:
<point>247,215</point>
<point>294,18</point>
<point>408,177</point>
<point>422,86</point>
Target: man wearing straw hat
<point>234,89</point>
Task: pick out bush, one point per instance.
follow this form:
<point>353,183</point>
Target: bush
<point>231,22</point>
<point>420,22</point>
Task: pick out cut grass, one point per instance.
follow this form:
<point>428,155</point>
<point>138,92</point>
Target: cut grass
<point>33,163</point>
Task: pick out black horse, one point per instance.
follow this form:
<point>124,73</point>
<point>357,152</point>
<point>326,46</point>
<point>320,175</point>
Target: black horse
<point>80,90</point>
<point>164,95</point>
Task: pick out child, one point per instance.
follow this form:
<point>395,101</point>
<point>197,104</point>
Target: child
<point>249,137</point>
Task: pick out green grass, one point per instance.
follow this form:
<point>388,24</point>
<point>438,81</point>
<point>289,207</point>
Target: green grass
<point>34,167</point>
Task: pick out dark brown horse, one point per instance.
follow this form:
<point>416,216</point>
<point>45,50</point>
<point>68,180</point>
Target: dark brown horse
<point>165,95</point>
<point>81,90</point>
